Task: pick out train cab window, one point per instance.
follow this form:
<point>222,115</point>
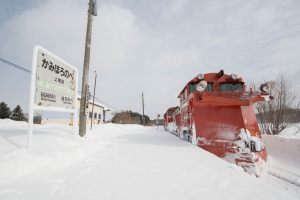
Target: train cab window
<point>209,87</point>
<point>231,87</point>
<point>192,87</point>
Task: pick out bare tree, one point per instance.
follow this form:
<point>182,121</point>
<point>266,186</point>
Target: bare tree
<point>273,115</point>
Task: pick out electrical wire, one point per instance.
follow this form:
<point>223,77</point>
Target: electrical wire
<point>103,102</point>
<point>15,65</point>
<point>108,105</point>
<point>28,71</point>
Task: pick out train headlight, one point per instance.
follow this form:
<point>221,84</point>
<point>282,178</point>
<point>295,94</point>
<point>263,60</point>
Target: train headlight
<point>201,86</point>
<point>200,76</point>
<point>234,76</point>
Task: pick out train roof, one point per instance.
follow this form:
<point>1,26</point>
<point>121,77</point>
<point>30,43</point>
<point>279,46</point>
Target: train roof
<point>172,109</point>
<point>213,77</point>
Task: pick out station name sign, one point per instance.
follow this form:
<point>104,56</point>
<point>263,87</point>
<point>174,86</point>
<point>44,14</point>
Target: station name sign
<point>55,84</point>
<point>53,87</point>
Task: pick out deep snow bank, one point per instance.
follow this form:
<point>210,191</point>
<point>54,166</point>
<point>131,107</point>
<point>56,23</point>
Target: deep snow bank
<point>284,154</point>
<point>285,148</point>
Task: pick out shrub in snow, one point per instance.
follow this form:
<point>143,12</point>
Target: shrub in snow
<point>129,117</point>
<point>17,114</point>
<point>4,111</point>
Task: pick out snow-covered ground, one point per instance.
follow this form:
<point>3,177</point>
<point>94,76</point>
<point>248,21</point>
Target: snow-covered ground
<point>121,162</point>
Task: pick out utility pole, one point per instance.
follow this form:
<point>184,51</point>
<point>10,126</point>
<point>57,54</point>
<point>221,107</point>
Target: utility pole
<point>157,121</point>
<point>143,117</point>
<point>93,100</point>
<point>85,77</point>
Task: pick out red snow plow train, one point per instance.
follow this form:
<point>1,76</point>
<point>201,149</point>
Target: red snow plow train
<point>216,113</point>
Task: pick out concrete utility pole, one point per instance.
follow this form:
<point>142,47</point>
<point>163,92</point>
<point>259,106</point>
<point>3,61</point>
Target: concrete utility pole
<point>143,117</point>
<point>93,100</point>
<point>85,77</point>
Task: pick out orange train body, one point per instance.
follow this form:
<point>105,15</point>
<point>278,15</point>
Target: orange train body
<point>216,113</point>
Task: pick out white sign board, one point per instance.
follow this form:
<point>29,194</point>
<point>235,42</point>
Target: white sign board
<point>55,82</point>
<point>53,86</point>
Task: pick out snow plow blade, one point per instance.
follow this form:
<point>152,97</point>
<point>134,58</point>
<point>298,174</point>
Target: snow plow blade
<point>226,126</point>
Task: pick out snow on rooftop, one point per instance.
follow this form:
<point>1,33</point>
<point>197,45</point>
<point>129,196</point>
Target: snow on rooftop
<point>118,162</point>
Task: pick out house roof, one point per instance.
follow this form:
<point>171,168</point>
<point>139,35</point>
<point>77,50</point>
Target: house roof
<point>96,103</point>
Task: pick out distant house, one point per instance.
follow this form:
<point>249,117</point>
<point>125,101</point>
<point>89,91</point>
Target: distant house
<point>99,113</point>
<point>97,117</point>
<point>37,118</point>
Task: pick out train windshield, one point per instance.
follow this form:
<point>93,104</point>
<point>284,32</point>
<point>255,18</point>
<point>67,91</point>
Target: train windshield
<point>209,87</point>
<point>231,87</point>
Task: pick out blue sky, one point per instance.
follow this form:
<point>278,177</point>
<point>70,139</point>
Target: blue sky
<point>152,46</point>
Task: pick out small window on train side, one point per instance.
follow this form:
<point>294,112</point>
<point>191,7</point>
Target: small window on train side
<point>183,96</point>
<point>231,87</point>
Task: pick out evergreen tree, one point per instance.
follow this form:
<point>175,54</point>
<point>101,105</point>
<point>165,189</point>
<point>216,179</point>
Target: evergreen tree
<point>4,111</point>
<point>17,114</point>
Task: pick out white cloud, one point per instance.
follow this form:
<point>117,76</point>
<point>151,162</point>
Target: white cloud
<point>158,47</point>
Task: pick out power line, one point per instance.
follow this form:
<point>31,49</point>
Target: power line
<point>108,105</point>
<point>15,65</point>
<point>28,71</point>
<point>105,103</point>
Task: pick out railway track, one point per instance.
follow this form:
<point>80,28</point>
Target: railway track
<point>284,175</point>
